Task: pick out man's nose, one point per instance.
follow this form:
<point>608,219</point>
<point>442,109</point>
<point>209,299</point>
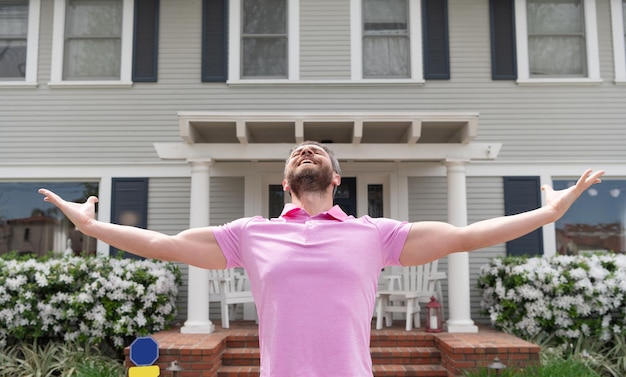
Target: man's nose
<point>306,150</point>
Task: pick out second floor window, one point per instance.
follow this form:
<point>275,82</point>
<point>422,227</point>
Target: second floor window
<point>386,45</point>
<point>264,39</point>
<point>13,39</point>
<point>556,38</point>
<point>93,38</point>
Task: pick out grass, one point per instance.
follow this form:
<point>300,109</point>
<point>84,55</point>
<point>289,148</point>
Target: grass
<point>55,359</point>
<point>585,357</point>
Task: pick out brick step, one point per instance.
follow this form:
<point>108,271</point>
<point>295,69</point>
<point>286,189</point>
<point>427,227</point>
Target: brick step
<point>380,355</point>
<point>409,339</point>
<point>432,370</point>
<point>405,355</point>
<point>241,357</point>
<point>238,371</point>
<point>379,371</point>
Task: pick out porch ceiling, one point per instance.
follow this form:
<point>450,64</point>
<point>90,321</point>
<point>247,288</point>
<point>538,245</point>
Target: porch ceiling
<point>397,136</point>
<point>341,128</point>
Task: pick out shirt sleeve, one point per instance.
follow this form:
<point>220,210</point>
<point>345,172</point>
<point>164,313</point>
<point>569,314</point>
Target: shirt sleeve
<point>228,237</point>
<point>393,235</point>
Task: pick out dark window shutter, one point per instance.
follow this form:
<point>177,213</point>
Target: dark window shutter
<point>146,41</point>
<point>214,40</point>
<point>503,58</point>
<point>435,30</point>
<point>129,205</point>
<point>523,194</point>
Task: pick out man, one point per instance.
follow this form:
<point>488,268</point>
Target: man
<point>314,270</point>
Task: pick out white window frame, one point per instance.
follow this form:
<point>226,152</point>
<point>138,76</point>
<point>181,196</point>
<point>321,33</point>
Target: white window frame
<point>591,36</point>
<point>619,54</point>
<point>32,48</point>
<point>234,44</point>
<point>415,35</point>
<point>58,47</point>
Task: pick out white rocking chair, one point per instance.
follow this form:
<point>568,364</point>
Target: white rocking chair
<point>405,292</point>
<point>229,288</point>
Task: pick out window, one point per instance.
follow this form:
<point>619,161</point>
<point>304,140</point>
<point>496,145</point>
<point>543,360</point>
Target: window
<point>92,41</point>
<point>19,30</point>
<point>557,41</point>
<point>263,40</point>
<point>596,222</point>
<point>556,38</point>
<point>375,200</point>
<point>276,200</point>
<point>386,47</point>
<point>28,225</point>
<point>618,23</point>
<point>388,42</point>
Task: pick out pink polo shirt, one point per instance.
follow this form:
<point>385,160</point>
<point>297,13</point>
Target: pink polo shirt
<point>314,281</point>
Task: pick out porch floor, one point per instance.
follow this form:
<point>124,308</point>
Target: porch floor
<point>395,352</point>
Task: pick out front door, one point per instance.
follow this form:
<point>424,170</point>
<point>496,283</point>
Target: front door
<point>357,196</point>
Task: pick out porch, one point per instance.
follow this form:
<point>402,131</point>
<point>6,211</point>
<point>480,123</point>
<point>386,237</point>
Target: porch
<point>234,352</point>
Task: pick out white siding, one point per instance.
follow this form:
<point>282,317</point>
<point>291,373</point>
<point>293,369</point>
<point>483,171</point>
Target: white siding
<point>227,204</point>
<point>168,212</point>
<point>121,124</point>
<point>485,199</point>
<point>325,40</point>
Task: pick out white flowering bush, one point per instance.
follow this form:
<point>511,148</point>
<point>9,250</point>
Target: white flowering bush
<point>566,296</point>
<point>85,299</point>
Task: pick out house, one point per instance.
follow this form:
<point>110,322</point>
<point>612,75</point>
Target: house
<point>180,113</point>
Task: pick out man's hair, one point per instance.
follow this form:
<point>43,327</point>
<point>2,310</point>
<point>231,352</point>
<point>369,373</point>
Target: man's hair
<point>331,154</point>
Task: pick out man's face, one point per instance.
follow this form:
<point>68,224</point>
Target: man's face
<point>309,169</point>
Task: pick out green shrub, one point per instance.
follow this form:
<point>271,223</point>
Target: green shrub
<point>85,299</point>
<point>567,296</point>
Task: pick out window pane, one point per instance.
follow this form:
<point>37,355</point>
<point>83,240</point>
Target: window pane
<point>562,56</point>
<point>264,39</point>
<point>93,33</point>
<point>13,34</point>
<point>29,225</point>
<point>94,18</point>
<point>595,222</point>
<point>385,16</point>
<point>386,57</point>
<point>375,200</point>
<point>555,17</point>
<point>265,17</point>
<point>92,59</point>
<point>276,200</point>
<point>265,57</point>
<point>556,38</point>
<point>386,47</point>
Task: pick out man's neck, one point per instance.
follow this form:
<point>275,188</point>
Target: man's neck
<point>313,202</point>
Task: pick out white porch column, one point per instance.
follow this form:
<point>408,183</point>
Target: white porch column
<point>198,321</point>
<point>458,263</point>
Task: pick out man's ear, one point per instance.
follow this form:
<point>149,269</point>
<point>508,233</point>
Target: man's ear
<point>336,179</point>
<point>286,185</point>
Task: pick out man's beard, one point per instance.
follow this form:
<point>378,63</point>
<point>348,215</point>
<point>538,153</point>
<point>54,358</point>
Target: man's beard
<point>309,179</point>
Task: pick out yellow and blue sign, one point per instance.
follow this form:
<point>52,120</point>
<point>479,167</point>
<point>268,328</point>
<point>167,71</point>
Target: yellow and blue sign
<point>144,351</point>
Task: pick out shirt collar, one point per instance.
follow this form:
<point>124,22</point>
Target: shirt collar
<point>292,210</point>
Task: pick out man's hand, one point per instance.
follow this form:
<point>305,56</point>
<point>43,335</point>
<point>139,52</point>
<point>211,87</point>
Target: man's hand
<point>80,214</point>
<point>562,200</point>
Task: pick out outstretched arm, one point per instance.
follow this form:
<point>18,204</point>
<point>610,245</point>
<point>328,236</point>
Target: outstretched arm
<point>429,240</point>
<point>196,247</point>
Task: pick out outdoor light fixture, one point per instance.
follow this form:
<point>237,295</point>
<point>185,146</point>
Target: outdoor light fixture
<point>174,368</point>
<point>434,316</point>
<point>496,365</point>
